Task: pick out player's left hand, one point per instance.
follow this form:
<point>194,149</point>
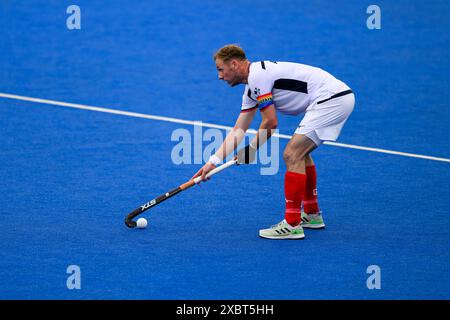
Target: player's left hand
<point>204,170</point>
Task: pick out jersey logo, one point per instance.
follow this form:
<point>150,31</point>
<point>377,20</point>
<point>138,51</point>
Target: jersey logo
<point>249,94</point>
<point>257,92</point>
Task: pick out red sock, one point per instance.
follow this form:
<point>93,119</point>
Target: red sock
<point>310,204</point>
<point>294,188</point>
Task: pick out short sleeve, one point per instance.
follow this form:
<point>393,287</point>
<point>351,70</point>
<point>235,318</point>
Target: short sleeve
<point>261,84</point>
<point>248,101</point>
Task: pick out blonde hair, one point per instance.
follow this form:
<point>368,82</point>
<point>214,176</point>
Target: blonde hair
<point>228,52</point>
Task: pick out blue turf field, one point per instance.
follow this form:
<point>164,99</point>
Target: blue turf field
<point>69,176</point>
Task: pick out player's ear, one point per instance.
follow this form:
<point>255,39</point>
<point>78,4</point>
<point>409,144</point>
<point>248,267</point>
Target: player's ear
<point>233,64</point>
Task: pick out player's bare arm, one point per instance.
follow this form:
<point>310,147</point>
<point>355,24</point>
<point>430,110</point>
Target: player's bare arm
<point>269,123</point>
<point>231,142</point>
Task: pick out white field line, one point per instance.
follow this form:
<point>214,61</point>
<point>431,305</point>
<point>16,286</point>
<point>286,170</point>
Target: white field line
<point>203,124</point>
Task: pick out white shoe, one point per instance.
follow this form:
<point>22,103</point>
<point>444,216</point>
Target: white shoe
<point>313,221</point>
<point>282,230</point>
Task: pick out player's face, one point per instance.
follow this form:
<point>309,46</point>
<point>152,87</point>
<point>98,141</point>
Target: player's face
<point>228,71</point>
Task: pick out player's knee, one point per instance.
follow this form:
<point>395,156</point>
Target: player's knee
<point>290,157</point>
<point>294,156</point>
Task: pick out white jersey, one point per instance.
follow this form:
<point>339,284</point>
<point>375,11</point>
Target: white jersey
<point>290,87</point>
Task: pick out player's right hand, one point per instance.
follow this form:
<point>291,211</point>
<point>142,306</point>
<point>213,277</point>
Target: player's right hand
<point>246,155</point>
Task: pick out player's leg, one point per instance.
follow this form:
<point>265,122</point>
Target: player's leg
<point>311,215</point>
<point>310,204</point>
<point>309,160</point>
<point>294,186</point>
<point>295,180</point>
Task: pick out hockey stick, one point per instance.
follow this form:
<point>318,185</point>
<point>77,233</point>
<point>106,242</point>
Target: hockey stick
<point>129,218</point>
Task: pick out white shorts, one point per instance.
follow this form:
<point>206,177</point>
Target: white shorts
<point>323,121</point>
